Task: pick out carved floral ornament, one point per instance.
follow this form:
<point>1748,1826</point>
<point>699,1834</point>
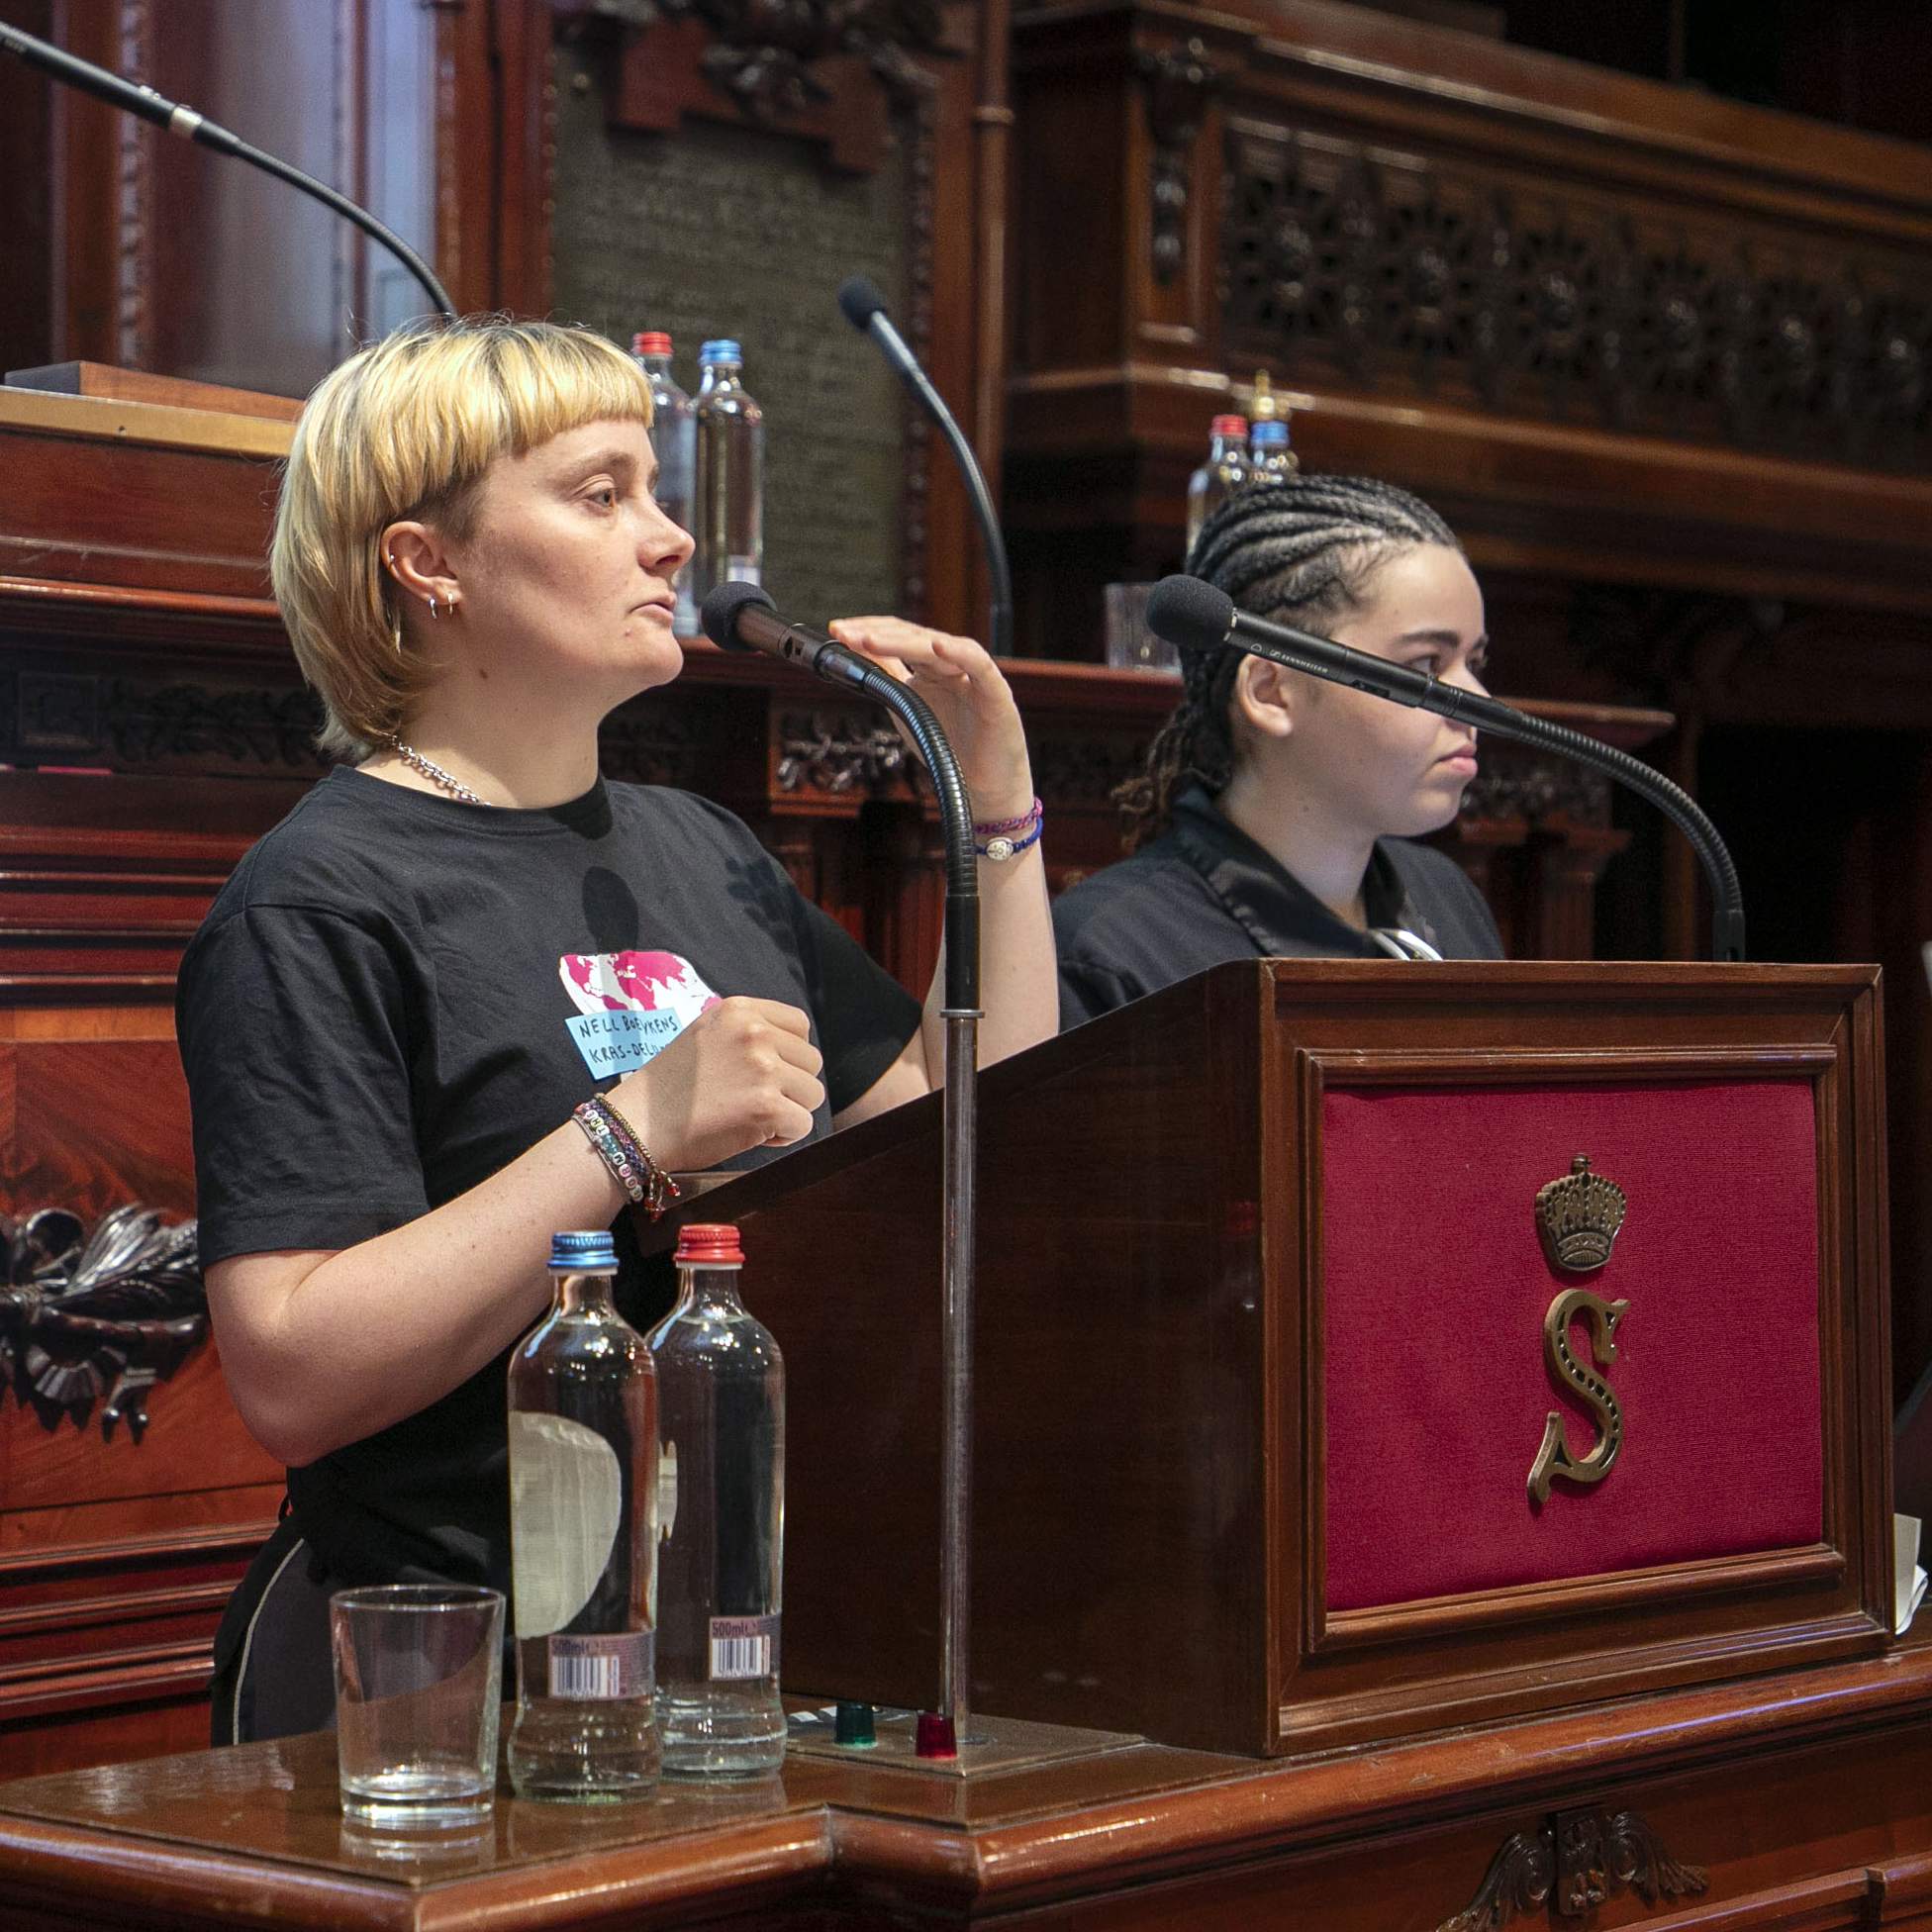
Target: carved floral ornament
<point>1572,1865</point>
<point>762,53</point>
<point>103,1314</point>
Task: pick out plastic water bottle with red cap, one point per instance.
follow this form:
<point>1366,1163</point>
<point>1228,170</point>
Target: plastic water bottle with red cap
<point>1224,472</point>
<point>721,1504</point>
<point>583,1536</point>
<point>674,441</point>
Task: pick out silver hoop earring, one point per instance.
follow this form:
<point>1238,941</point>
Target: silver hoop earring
<point>433,612</point>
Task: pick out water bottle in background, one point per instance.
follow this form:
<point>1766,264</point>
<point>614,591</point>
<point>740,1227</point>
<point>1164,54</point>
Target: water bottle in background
<point>728,490</point>
<point>1224,472</point>
<point>674,438</point>
<point>720,1386</point>
<point>583,1540</point>
<point>1264,406</point>
<point>1270,459</point>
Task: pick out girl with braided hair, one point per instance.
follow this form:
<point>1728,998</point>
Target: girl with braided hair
<point>1275,814</point>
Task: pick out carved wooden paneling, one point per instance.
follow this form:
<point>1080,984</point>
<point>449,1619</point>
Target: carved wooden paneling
<point>1613,329</point>
<point>1351,264</point>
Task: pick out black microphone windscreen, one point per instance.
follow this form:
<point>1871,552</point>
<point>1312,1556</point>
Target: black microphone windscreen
<point>720,613</point>
<point>860,300</point>
<point>1190,614</point>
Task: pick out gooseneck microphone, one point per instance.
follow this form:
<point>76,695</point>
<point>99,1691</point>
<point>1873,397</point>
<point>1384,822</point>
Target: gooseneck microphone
<point>740,617</point>
<point>864,306</point>
<point>72,71</point>
<point>1193,615</point>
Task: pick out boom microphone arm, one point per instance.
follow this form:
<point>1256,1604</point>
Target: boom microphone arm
<point>72,71</point>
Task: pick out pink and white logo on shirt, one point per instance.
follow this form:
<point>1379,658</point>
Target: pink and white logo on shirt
<point>630,1006</point>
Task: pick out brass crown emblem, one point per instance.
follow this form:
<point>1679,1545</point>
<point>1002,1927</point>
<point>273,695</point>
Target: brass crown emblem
<point>1578,1217</point>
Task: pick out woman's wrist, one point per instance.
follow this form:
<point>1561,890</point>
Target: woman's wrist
<point>621,1149</point>
<point>1002,840</point>
<point>1010,797</point>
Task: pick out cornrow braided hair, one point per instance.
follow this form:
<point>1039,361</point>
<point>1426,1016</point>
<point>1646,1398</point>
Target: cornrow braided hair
<point>1301,550</point>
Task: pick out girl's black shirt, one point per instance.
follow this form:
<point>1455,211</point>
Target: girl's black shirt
<point>1204,892</point>
<point>395,994</point>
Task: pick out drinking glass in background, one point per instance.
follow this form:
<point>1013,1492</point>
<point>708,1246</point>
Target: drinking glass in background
<point>1130,646</point>
<point>419,1681</point>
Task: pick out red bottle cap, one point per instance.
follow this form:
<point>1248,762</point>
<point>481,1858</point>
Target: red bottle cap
<point>1228,425</point>
<point>934,1736</point>
<point>651,342</point>
<point>713,1244</point>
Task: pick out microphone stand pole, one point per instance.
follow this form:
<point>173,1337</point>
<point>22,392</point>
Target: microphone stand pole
<point>959,1148</point>
<point>740,617</point>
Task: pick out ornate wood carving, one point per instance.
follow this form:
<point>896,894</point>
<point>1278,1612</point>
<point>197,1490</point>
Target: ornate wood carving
<point>129,723</point>
<point>1178,86</point>
<point>834,71</point>
<point>649,744</point>
<point>840,755</point>
<point>1517,782</point>
<point>1408,273</point>
<point>1519,1880</point>
<point>1083,773</point>
<point>109,1313</point>
<point>1573,1864</point>
<point>763,51</point>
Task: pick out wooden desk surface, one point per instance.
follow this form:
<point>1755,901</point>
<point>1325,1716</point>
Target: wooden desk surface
<point>1812,1786</point>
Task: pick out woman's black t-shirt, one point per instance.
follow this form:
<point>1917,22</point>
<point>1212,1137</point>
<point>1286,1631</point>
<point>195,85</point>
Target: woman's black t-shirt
<point>1204,892</point>
<point>396,995</point>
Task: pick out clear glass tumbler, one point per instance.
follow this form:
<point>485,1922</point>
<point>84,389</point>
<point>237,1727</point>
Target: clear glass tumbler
<point>418,1685</point>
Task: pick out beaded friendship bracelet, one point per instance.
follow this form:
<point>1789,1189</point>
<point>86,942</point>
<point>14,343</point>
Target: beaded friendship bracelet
<point>1001,839</point>
<point>625,1155</point>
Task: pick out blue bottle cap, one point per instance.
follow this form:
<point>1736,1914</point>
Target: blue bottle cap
<point>1269,432</point>
<point>724,350</point>
<point>593,1253</point>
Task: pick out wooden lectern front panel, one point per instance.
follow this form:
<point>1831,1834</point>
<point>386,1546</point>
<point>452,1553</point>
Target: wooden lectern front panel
<point>1260,1384</point>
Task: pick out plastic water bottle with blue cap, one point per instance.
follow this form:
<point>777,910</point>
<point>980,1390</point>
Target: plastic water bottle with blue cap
<point>728,493</point>
<point>583,1540</point>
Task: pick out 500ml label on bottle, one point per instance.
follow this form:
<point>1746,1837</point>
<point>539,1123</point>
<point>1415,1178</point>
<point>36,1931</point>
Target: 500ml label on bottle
<point>594,1669</point>
<point>743,1646</point>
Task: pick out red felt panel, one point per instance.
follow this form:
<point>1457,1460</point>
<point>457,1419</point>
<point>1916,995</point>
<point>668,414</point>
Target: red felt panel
<point>1434,1291</point>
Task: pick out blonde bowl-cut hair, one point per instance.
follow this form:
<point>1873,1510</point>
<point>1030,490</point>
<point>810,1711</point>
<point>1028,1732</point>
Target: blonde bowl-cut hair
<point>406,429</point>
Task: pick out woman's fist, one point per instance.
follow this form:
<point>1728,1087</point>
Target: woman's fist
<point>743,1074</point>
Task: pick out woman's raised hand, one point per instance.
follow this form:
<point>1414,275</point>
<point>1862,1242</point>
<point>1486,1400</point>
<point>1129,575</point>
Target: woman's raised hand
<point>743,1074</point>
<point>969,696</point>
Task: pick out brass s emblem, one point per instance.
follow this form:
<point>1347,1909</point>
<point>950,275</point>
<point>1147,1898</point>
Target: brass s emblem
<point>1576,1221</point>
<point>1554,1458</point>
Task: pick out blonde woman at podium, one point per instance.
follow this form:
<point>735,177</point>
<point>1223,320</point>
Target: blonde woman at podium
<point>1276,814</point>
<point>468,993</point>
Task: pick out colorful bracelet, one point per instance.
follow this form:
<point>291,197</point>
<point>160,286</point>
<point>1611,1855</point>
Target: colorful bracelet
<point>625,1155</point>
<point>1006,838</point>
<point>992,826</point>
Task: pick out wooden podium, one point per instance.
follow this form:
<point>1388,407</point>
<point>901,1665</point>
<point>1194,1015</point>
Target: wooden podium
<point>1261,1358</point>
<point>1261,1380</point>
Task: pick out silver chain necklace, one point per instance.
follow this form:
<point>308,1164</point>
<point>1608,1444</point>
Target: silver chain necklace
<point>433,772</point>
